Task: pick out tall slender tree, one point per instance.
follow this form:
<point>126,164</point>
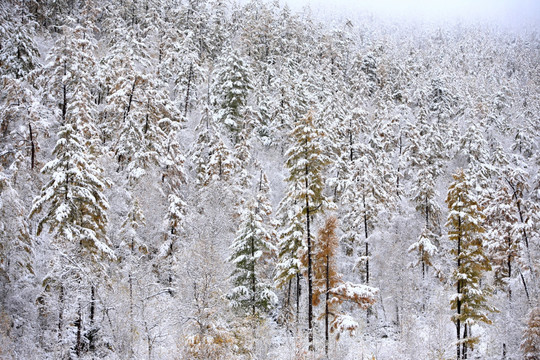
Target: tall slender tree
<point>252,292</point>
<point>306,162</point>
<point>75,210</point>
<point>465,230</point>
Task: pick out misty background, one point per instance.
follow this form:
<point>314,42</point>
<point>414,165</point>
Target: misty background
<point>507,13</point>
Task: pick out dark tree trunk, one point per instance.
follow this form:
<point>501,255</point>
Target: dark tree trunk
<point>465,335</point>
<point>131,315</point>
<point>458,322</point>
<point>326,312</point>
<point>366,235</point>
<point>524,286</point>
<point>309,270</point>
<point>60,313</point>
<point>91,342</point>
<point>128,109</point>
<point>298,293</point>
<point>253,279</point>
<point>64,103</point>
<point>190,76</point>
<point>78,324</point>
<point>32,148</point>
<point>288,299</point>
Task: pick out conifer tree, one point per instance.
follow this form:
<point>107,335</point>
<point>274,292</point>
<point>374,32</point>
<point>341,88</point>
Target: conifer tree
<point>75,210</point>
<point>17,274</point>
<point>22,107</point>
<point>290,243</point>
<point>19,53</point>
<point>531,336</point>
<point>328,282</point>
<point>131,248</point>
<point>188,71</point>
<point>16,250</point>
<point>369,189</point>
<point>252,293</point>
<point>73,200</point>
<point>424,196</point>
<point>503,242</point>
<point>230,90</point>
<point>306,162</point>
<point>325,272</point>
<point>466,231</point>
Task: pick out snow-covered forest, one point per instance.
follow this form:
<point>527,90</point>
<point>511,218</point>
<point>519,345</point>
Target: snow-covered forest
<point>191,179</point>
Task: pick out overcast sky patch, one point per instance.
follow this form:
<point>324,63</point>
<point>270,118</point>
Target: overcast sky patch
<point>504,12</point>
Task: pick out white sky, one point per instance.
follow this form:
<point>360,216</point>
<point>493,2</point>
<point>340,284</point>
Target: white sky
<point>507,12</point>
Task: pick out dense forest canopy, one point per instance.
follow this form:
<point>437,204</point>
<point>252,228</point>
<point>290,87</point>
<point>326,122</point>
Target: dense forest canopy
<point>189,179</point>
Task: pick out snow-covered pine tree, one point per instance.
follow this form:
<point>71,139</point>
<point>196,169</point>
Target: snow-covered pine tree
<point>290,237</point>
<point>131,249</point>
<point>221,162</point>
<point>21,108</point>
<point>475,149</point>
<point>425,197</point>
<point>370,188</point>
<point>347,134</point>
<point>306,162</point>
<point>503,242</point>
<point>73,207</point>
<point>252,293</point>
<point>230,90</point>
<point>81,106</point>
<point>17,276</point>
<point>174,182</point>
<point>188,72</point>
<point>465,230</point>
<point>19,53</point>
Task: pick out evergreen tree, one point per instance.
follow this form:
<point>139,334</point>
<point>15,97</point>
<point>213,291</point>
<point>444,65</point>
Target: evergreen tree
<point>17,274</point>
<point>131,249</point>
<point>19,53</point>
<point>75,210</point>
<point>73,200</point>
<point>369,189</point>
<point>230,90</point>
<point>306,162</point>
<point>252,293</point>
<point>466,231</point>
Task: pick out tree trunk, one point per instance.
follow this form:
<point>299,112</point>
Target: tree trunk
<point>309,270</point>
<point>186,102</point>
<point>91,342</point>
<point>126,113</point>
<point>60,313</point>
<point>32,148</point>
<point>366,235</point>
<point>64,104</point>
<point>131,319</point>
<point>327,292</point>
<point>458,328</point>
<point>524,285</point>
<point>298,293</point>
<point>288,299</point>
<point>458,322</point>
<point>253,279</point>
<point>78,324</point>
<point>465,335</point>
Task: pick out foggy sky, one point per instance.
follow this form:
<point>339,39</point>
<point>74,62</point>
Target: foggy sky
<point>504,12</point>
